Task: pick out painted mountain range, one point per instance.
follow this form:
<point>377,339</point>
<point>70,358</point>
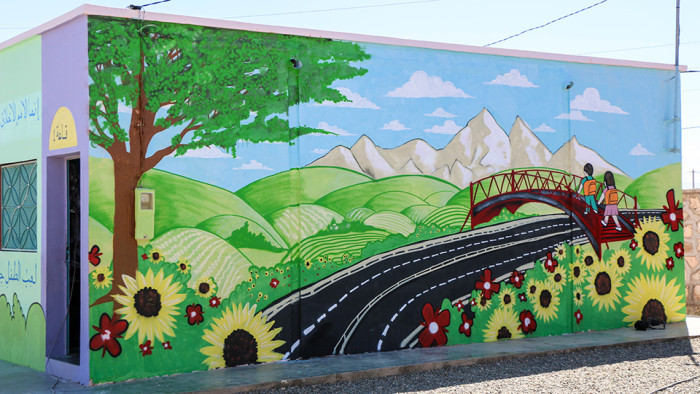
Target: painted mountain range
<point>478,150</point>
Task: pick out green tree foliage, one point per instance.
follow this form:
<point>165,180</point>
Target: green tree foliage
<point>200,87</point>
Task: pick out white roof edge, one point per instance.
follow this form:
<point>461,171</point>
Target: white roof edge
<point>87,9</point>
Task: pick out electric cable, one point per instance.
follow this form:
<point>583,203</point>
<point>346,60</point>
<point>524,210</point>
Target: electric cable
<point>335,9</point>
<point>636,48</point>
<point>548,23</point>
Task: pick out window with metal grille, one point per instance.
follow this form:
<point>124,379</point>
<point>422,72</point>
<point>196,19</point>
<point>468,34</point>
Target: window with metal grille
<point>18,196</point>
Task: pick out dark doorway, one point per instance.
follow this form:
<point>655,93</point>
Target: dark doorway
<point>73,259</point>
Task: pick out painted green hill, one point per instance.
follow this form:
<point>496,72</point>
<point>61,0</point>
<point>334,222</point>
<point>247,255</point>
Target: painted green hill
<point>180,201</point>
<point>306,185</point>
<point>344,200</point>
<point>622,182</point>
<point>298,222</point>
<point>651,187</point>
<point>393,201</point>
<point>224,225</point>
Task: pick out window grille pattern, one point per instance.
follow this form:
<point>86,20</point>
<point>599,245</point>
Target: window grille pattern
<point>19,201</point>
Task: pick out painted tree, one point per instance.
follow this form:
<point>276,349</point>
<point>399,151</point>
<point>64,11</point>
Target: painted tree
<point>197,87</point>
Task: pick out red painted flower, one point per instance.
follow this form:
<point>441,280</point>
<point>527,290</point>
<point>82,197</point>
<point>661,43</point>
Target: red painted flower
<point>274,282</point>
<point>679,249</point>
<point>528,325</point>
<point>459,305</point>
<point>472,302</point>
<point>194,314</point>
<point>579,316</point>
<point>214,302</point>
<point>466,326</point>
<point>550,263</point>
<point>633,245</point>
<point>522,297</point>
<point>517,278</point>
<point>144,256</point>
<point>107,333</point>
<point>673,215</point>
<point>166,345</point>
<point>669,263</point>
<point>487,285</point>
<point>94,255</point>
<point>146,348</point>
<point>435,325</point>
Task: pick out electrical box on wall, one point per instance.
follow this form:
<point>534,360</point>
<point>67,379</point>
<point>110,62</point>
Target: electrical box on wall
<point>145,213</point>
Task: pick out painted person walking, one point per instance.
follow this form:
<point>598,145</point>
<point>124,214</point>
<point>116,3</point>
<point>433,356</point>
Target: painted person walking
<point>588,184</point>
<point>610,195</point>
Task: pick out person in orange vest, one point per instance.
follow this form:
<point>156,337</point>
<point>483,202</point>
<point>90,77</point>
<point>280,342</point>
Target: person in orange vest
<point>610,195</point>
<point>588,185</point>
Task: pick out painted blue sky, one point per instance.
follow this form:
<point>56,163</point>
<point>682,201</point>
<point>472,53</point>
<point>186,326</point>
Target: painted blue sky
<point>411,93</point>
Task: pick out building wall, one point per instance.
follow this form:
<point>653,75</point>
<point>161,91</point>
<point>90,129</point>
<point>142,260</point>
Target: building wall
<point>310,197</point>
<point>691,200</point>
<point>22,322</point>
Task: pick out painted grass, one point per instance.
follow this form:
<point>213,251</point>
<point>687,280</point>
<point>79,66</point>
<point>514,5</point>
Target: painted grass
<point>224,225</point>
<point>449,216</point>
<point>299,222</point>
<point>392,222</point>
<point>335,245</point>
<point>359,214</point>
<point>651,187</point>
<point>393,201</point>
<point>418,213</point>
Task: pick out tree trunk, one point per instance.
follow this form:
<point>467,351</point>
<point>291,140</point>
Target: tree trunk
<point>125,248</point>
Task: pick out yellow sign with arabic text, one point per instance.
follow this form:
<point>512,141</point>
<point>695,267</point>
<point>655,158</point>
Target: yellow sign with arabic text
<point>63,133</point>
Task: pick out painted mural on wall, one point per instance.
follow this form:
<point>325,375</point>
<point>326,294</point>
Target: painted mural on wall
<point>319,197</point>
<point>22,321</point>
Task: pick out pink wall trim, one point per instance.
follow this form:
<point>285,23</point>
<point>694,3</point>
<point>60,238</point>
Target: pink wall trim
<point>151,16</point>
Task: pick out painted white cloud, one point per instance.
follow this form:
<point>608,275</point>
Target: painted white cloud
<point>590,101</point>
<point>356,101</point>
<point>543,128</point>
<point>253,165</point>
<point>319,151</point>
<point>210,152</point>
<point>574,115</point>
<point>423,85</point>
<point>512,78</point>
<point>639,150</point>
<point>333,129</point>
<point>441,113</point>
<point>449,127</point>
<point>394,125</point>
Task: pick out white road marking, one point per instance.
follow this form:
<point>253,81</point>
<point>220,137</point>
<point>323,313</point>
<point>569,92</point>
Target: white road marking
<point>363,283</point>
<point>294,346</point>
<point>309,329</point>
<point>323,316</point>
<point>332,307</point>
<point>354,288</point>
<point>385,330</point>
<point>379,345</point>
<point>394,317</point>
<point>343,297</point>
<point>376,275</point>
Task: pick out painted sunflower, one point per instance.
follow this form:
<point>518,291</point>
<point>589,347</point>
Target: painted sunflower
<point>149,304</point>
<point>653,297</point>
<point>560,251</point>
<point>102,277</point>
<point>603,286</point>
<point>183,266</point>
<point>156,256</point>
<point>240,336</point>
<point>578,296</point>
<point>546,301</point>
<point>531,286</point>
<point>578,273</point>
<point>507,298</point>
<point>588,258</point>
<point>482,304</point>
<point>205,287</point>
<point>503,325</point>
<point>620,262</point>
<point>653,243</point>
<point>557,278</point>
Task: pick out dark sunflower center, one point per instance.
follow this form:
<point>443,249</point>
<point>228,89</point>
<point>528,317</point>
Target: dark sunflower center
<point>204,287</point>
<point>483,301</point>
<point>156,256</point>
<point>147,302</point>
<point>503,333</point>
<point>240,347</point>
<point>578,296</point>
<point>588,260</point>
<point>506,299</point>
<point>577,271</point>
<point>183,266</point>
<point>603,284</point>
<point>557,278</point>
<point>650,242</point>
<point>620,261</point>
<point>533,289</point>
<point>653,309</point>
<point>100,277</point>
<point>545,298</point>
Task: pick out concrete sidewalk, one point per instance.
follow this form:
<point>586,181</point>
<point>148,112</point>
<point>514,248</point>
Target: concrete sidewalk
<point>16,379</point>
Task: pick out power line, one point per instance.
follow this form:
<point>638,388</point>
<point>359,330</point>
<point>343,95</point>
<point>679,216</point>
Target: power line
<point>334,9</point>
<point>693,127</point>
<point>548,23</point>
<point>634,49</point>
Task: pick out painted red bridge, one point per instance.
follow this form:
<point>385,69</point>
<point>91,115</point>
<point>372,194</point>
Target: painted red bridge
<point>513,189</point>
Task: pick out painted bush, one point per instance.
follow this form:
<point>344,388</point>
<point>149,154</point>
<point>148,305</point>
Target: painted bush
<point>282,233</point>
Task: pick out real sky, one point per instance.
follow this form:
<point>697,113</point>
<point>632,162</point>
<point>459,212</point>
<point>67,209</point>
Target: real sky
<point>642,30</point>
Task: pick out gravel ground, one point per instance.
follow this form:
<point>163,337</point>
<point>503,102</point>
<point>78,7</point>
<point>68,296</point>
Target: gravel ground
<point>658,367</point>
